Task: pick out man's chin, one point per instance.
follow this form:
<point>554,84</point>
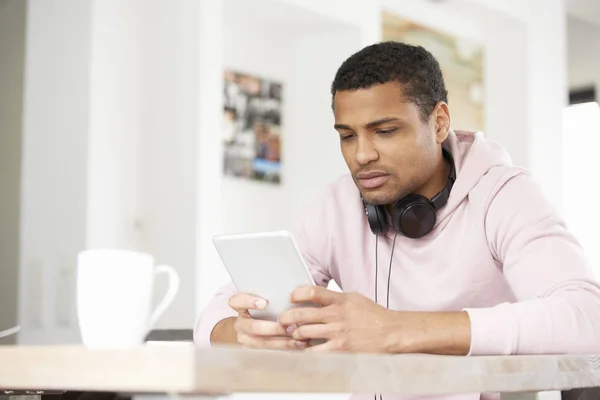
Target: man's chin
<point>377,199</point>
<point>377,196</point>
<point>381,197</point>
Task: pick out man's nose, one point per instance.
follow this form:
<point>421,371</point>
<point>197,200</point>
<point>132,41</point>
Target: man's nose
<point>366,152</point>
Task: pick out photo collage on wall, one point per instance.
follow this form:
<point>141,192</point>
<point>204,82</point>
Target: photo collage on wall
<point>252,127</point>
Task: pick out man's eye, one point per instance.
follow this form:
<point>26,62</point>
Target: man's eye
<point>346,137</point>
<point>386,131</point>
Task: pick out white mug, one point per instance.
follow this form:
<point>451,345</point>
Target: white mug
<point>114,297</point>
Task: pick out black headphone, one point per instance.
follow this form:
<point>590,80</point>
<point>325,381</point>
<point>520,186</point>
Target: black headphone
<point>414,216</point>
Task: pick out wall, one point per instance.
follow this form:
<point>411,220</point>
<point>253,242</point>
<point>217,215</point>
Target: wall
<point>506,78</point>
<point>261,53</point>
<point>169,130</point>
<point>311,156</point>
<point>54,177</point>
<point>364,16</point>
<point>12,52</point>
<point>313,147</point>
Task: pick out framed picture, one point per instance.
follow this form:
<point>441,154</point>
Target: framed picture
<point>252,127</point>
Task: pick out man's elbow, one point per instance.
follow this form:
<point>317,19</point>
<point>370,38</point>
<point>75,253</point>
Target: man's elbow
<point>577,319</point>
<point>585,304</point>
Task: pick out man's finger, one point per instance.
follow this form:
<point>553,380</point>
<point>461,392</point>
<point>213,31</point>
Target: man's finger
<point>305,315</point>
<point>259,328</point>
<point>242,301</point>
<point>314,294</point>
<point>315,331</point>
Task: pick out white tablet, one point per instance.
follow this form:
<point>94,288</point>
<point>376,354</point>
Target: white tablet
<point>265,264</point>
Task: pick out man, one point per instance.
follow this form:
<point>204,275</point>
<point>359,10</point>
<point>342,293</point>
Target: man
<point>486,267</point>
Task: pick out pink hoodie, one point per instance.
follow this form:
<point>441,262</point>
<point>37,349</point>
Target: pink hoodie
<point>499,251</point>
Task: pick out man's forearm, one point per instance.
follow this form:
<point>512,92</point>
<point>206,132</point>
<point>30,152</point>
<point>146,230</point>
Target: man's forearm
<point>224,332</point>
<point>447,333</point>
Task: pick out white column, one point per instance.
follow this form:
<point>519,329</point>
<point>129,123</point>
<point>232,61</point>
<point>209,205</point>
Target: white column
<point>169,130</point>
<point>209,149</point>
<point>117,114</point>
<point>56,113</point>
<point>548,93</point>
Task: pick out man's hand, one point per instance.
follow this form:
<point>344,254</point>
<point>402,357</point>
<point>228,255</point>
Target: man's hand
<point>352,322</point>
<point>347,321</point>
<point>256,333</point>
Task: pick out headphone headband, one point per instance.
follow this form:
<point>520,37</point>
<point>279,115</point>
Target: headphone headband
<point>413,216</point>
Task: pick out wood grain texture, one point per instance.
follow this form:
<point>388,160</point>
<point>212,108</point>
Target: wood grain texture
<point>144,369</point>
<point>190,370</point>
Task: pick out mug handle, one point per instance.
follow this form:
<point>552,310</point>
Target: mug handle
<point>169,296</point>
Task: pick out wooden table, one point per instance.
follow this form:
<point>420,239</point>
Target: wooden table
<point>188,370</point>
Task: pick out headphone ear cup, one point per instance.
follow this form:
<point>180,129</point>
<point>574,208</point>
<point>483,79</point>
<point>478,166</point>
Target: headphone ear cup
<point>376,215</point>
<point>414,216</point>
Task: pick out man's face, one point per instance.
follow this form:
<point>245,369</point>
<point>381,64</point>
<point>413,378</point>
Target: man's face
<point>389,150</point>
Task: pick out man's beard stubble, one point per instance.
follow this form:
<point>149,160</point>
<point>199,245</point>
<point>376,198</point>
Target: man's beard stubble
<point>390,197</point>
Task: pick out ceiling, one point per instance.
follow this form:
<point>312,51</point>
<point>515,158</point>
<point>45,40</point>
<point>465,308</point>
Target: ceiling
<point>587,10</point>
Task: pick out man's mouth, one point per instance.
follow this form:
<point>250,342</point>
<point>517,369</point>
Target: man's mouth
<point>372,179</point>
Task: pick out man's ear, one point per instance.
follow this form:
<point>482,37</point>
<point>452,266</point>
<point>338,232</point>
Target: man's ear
<point>441,113</point>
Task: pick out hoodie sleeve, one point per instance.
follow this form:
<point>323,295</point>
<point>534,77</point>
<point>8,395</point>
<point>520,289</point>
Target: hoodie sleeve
<point>215,311</point>
<point>310,237</point>
<point>558,299</point>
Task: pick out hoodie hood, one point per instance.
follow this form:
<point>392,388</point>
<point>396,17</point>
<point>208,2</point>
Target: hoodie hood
<point>474,157</point>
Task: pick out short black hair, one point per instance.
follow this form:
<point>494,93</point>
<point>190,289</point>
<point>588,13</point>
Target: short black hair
<point>414,68</point>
